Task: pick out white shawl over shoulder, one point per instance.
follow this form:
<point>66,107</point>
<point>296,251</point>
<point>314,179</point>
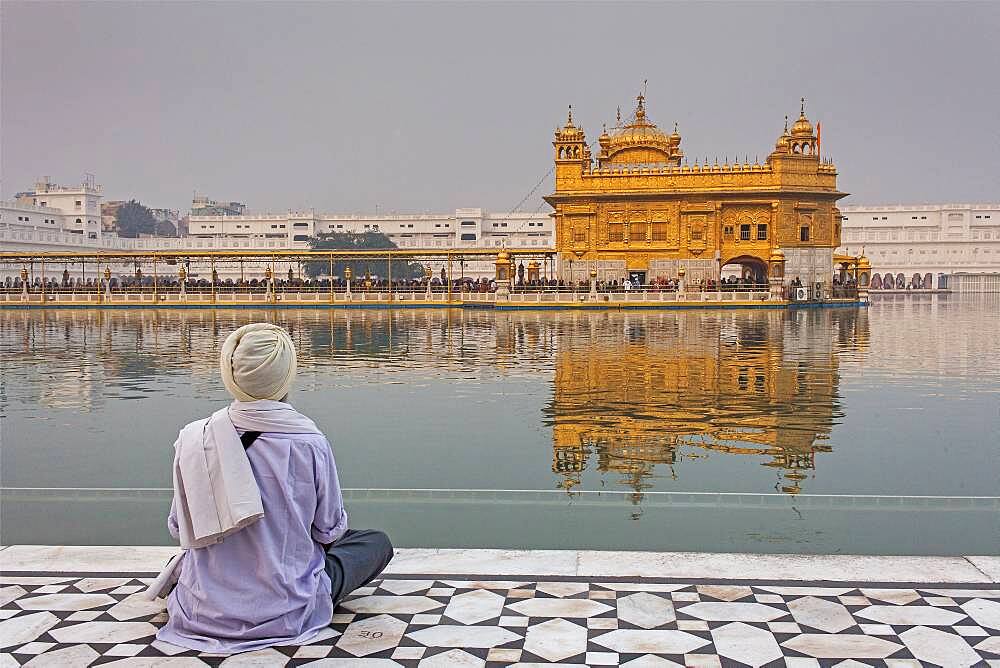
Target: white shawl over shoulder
<point>215,493</point>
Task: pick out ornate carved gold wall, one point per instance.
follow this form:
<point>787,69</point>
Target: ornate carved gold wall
<point>639,206</point>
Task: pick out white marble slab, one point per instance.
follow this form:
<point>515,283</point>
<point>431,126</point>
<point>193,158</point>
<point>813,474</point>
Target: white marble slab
<point>89,559</point>
<point>641,641</point>
<point>392,604</point>
<point>936,646</point>
<point>103,632</point>
<point>64,602</point>
<point>484,562</point>
<point>454,658</point>
<point>985,612</point>
<point>8,594</point>
<point>496,562</point>
<point>988,565</point>
<point>23,629</point>
<point>556,639</point>
<point>475,606</point>
<point>909,615</point>
<point>447,635</point>
<point>645,610</point>
<point>821,614</point>
<point>371,635</point>
<point>848,568</point>
<point>746,644</point>
<point>74,656</point>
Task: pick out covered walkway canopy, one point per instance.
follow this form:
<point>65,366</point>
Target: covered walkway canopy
<point>222,268</point>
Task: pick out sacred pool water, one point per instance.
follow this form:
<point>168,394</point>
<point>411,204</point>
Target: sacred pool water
<point>840,430</point>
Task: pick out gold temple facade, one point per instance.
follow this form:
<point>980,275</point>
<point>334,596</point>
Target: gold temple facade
<point>640,210</point>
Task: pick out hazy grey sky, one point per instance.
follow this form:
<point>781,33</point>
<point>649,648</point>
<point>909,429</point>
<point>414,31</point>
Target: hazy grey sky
<point>428,107</point>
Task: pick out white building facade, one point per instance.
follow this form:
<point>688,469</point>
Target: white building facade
<point>58,218</point>
<point>955,240</point>
<point>462,229</point>
<point>73,209</point>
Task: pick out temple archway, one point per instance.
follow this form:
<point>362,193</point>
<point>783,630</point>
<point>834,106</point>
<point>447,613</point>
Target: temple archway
<point>876,282</point>
<point>746,267</point>
<point>928,281</point>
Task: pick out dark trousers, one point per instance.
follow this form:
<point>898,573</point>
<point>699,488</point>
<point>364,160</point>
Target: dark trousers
<point>355,560</point>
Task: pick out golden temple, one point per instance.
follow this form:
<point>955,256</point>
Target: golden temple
<point>641,211</point>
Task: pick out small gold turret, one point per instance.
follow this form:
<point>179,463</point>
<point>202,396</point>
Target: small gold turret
<point>784,143</point>
<point>802,128</point>
<point>803,139</point>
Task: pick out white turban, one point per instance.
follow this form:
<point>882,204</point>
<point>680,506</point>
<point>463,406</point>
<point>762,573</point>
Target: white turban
<point>258,362</point>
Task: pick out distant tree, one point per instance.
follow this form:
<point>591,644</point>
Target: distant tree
<point>134,219</point>
<point>164,228</point>
<point>335,241</point>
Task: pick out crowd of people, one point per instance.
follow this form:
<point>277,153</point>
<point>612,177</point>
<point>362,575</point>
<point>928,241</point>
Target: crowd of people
<point>146,283</point>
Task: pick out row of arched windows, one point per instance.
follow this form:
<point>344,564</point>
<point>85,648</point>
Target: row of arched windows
<point>568,152</point>
<point>803,148</point>
<point>899,281</point>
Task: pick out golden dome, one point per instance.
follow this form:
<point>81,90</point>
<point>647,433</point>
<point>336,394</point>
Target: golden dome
<point>640,130</point>
<point>641,141</point>
<point>675,137</point>
<point>784,143</point>
<point>503,255</point>
<point>777,255</point>
<point>864,263</point>
<point>802,127</point>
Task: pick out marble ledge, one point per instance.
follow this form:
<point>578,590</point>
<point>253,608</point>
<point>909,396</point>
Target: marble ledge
<point>566,563</point>
<point>837,568</point>
<point>990,566</point>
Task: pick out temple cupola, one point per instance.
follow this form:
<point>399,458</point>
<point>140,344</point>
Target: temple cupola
<point>571,151</point>
<point>784,144</point>
<point>640,142</point>
<point>803,140</point>
<point>570,142</point>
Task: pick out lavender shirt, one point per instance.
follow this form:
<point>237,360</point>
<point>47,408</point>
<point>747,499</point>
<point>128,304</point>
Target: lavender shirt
<point>266,584</point>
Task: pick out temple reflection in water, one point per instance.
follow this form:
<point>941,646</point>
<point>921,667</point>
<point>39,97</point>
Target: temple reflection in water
<point>635,395</point>
<point>648,389</point>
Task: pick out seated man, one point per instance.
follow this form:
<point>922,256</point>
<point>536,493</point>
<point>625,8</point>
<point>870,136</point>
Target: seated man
<point>257,504</point>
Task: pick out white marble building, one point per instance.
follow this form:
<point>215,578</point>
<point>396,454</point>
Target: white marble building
<point>55,218</point>
<point>53,214</point>
<point>464,228</point>
<point>952,239</point>
<point>74,209</point>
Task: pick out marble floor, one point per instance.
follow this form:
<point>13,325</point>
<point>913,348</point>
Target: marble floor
<point>74,618</point>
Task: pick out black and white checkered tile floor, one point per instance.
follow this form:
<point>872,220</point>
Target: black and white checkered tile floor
<point>72,620</point>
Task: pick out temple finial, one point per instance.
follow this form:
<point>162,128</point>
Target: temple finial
<point>569,117</point>
<point>619,116</point>
<point>675,127</point>
<point>802,108</point>
<point>786,123</point>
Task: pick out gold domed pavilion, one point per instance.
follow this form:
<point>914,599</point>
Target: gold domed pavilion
<point>640,210</point>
